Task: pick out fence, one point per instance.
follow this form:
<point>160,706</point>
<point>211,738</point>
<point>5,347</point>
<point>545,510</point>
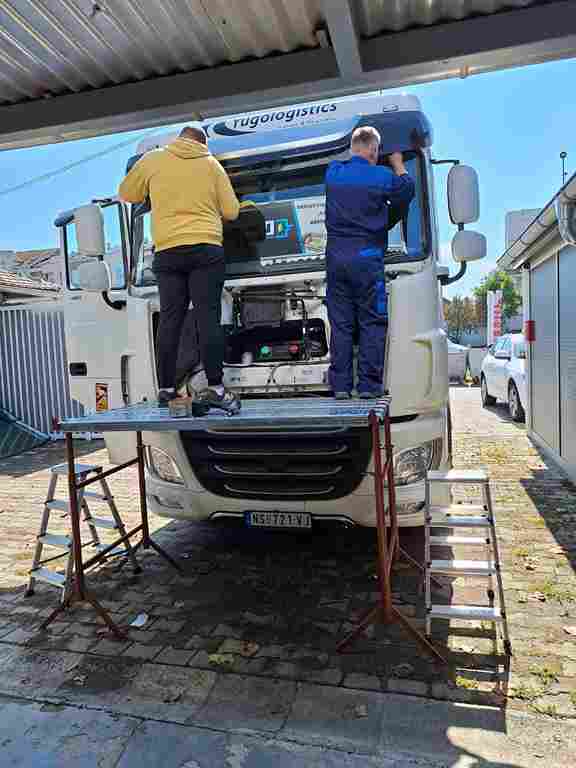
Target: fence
<point>33,368</point>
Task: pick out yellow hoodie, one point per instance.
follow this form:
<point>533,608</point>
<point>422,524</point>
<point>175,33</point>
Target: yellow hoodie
<point>189,191</point>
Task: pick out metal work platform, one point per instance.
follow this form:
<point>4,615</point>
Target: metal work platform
<point>300,415</point>
<point>276,414</point>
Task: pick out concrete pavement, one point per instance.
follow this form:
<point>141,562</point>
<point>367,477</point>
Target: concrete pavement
<point>326,729</point>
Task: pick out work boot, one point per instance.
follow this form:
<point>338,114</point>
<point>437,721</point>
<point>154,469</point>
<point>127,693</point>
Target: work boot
<point>370,395</point>
<point>210,398</point>
<point>164,397</point>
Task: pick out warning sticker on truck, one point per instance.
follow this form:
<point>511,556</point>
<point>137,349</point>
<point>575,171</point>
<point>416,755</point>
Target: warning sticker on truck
<point>101,397</point>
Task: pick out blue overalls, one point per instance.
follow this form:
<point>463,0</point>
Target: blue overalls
<point>358,201</point>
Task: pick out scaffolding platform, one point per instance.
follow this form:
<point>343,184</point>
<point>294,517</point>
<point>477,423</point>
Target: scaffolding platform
<point>264,416</point>
<point>277,414</point>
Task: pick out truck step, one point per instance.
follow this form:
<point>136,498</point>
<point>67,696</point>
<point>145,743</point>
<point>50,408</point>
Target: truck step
<point>459,516</point>
<point>54,540</point>
<point>50,577</point>
<point>466,612</point>
<point>459,477</point>
<point>463,567</point>
<point>454,541</point>
<point>80,469</point>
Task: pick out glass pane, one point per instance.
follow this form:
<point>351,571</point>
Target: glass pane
<point>520,350</point>
<point>72,255</point>
<point>293,205</point>
<point>114,251</point>
<point>144,274</point>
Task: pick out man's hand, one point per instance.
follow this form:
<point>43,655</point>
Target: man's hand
<point>397,163</point>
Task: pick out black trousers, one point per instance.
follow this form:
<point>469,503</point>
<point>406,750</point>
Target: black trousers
<point>190,273</point>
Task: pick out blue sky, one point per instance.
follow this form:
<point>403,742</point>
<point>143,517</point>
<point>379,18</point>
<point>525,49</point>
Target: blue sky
<point>511,126</point>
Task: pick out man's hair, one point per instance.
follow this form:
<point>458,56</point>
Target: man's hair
<point>196,134</point>
<point>365,136</point>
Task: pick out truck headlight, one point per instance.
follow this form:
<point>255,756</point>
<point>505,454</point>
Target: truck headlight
<point>412,464</point>
<point>164,466</point>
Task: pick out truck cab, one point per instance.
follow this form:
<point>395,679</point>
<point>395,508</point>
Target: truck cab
<point>275,317</point>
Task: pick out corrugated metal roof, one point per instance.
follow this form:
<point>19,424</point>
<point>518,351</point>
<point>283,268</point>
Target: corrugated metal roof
<point>11,283</point>
<point>378,16</point>
<point>54,47</point>
<point>30,259</point>
<point>50,47</point>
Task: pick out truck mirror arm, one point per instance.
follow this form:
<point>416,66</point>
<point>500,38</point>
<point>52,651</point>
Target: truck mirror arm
<point>447,280</point>
<point>117,304</point>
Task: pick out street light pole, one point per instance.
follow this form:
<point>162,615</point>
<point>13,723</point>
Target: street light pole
<point>563,156</point>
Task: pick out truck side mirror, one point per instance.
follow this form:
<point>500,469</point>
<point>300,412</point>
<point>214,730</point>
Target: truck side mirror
<point>566,215</point>
<point>468,245</point>
<point>463,195</point>
<point>93,275</point>
<point>89,225</point>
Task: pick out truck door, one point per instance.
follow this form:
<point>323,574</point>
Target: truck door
<point>96,324</point>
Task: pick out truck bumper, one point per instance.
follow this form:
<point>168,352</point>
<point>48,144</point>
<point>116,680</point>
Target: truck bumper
<point>191,501</point>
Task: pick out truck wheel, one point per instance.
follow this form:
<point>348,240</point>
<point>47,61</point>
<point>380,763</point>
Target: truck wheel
<point>514,405</point>
<point>487,399</point>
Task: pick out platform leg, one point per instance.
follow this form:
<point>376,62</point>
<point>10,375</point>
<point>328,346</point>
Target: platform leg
<point>388,545</point>
<point>147,542</point>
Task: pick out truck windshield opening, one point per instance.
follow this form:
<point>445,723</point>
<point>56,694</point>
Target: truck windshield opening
<point>292,201</point>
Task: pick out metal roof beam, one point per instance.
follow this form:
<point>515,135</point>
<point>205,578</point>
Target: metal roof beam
<point>341,22</point>
<point>508,38</point>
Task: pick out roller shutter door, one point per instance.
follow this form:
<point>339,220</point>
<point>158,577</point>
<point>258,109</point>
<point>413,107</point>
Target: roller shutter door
<point>544,357</point>
<point>567,334</point>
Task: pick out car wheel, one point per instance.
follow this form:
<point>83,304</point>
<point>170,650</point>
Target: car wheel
<point>486,398</point>
<point>514,405</point>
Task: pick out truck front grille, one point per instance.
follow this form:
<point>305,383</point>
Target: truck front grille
<point>287,465</point>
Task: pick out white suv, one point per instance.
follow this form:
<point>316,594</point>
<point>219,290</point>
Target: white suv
<point>504,374</point>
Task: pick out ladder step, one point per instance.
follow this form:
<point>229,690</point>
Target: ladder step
<point>463,476</point>
<point>459,516</point>
<point>53,540</point>
<point>95,496</point>
<point>453,541</point>
<point>116,552</point>
<point>80,469</point>
<point>50,577</point>
<point>466,612</point>
<point>102,522</point>
<point>58,504</point>
<point>463,567</point>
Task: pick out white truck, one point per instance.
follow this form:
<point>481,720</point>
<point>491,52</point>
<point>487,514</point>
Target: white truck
<point>277,328</point>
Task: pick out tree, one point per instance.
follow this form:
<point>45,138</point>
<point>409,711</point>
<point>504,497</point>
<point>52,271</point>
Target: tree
<point>460,317</point>
<point>511,299</point>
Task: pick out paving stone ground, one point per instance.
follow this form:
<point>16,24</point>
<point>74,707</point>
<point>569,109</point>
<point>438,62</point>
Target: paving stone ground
<point>256,616</point>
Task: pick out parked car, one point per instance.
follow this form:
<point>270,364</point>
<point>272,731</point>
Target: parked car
<point>503,374</point>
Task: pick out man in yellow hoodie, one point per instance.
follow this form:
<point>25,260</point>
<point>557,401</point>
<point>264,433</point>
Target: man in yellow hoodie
<point>190,195</point>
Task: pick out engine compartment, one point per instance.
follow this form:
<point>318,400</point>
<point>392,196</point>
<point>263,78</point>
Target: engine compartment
<point>273,325</point>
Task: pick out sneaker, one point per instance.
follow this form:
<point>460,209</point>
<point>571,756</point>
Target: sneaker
<point>164,397</point>
<point>209,398</point>
<point>369,395</point>
<point>342,396</point>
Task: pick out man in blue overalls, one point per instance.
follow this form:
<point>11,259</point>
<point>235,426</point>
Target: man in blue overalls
<point>362,200</point>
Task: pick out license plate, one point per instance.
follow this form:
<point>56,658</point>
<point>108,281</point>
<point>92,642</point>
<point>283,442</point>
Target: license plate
<point>300,520</point>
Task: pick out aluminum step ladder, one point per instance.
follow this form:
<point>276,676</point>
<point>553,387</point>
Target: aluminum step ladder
<point>462,518</point>
<point>63,581</point>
